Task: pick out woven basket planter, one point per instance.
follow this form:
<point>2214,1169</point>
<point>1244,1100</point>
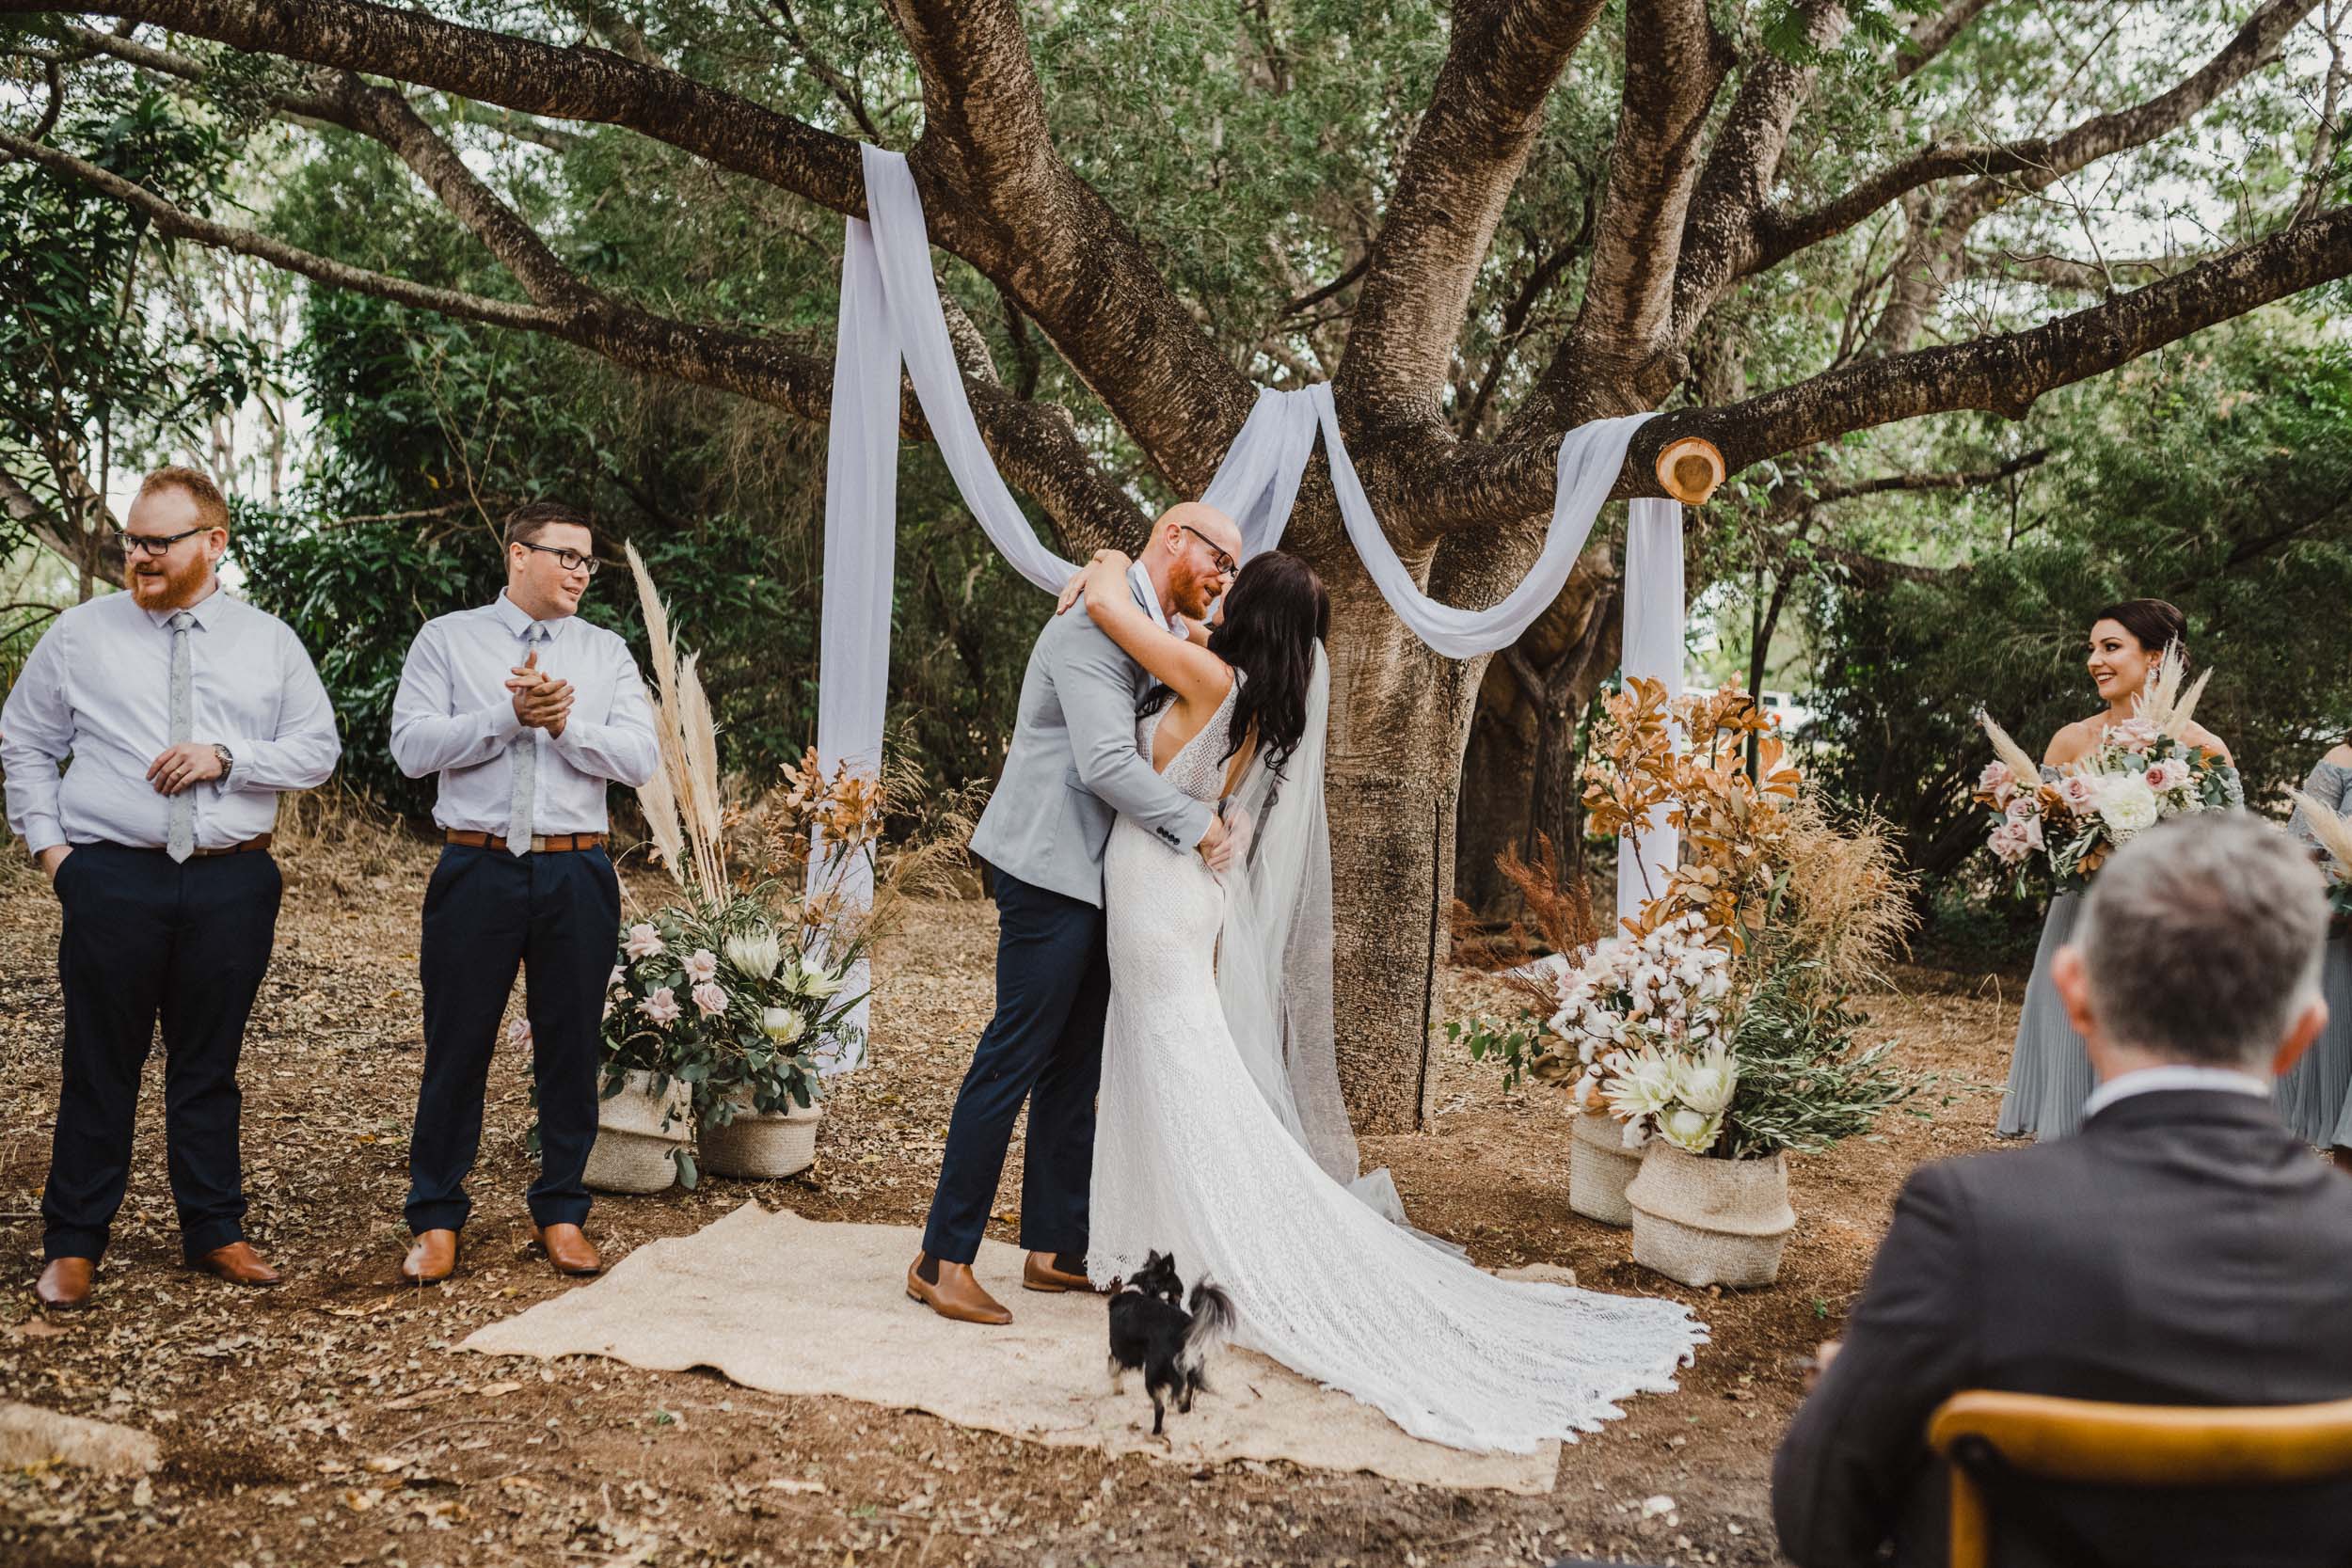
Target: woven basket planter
<point>637,1134</point>
<point>1710,1222</point>
<point>1599,1166</point>
<point>765,1146</point>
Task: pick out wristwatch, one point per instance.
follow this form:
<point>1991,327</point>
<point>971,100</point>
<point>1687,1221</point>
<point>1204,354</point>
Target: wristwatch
<point>228,762</point>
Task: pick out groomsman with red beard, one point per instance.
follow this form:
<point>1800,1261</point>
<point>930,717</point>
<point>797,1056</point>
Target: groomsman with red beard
<point>184,713</point>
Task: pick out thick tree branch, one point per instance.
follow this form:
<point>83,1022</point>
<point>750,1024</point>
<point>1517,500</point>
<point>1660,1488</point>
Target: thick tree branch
<point>1719,242</point>
<point>1470,485</point>
<point>577,84</point>
<point>2033,164</point>
<point>1621,342</point>
<point>1932,254</point>
<point>1035,444</point>
<point>1457,172</point>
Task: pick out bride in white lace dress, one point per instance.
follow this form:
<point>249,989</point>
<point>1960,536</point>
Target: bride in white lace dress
<point>1232,1153</point>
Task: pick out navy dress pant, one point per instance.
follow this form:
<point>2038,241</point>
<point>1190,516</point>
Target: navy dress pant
<point>145,940</point>
<point>1044,1045</point>
<point>556,916</point>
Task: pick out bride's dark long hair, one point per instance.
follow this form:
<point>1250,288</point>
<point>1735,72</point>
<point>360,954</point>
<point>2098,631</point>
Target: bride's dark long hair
<point>1274,614</point>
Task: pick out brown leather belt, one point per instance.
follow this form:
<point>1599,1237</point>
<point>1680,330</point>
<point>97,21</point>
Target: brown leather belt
<point>540,844</point>
<point>260,843</point>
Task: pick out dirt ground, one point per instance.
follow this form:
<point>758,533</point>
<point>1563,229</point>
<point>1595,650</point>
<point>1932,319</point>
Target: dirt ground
<point>329,1422</point>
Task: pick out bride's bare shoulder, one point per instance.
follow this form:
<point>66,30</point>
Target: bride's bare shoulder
<point>2075,742</point>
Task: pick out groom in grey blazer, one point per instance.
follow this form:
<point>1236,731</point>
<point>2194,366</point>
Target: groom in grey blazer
<point>2185,1249</point>
<point>1073,765</point>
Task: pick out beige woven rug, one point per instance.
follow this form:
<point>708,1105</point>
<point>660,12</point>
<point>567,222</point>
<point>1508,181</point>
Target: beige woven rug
<point>797,1306</point>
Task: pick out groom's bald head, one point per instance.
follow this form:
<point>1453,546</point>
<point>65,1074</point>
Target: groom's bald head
<point>1198,548</point>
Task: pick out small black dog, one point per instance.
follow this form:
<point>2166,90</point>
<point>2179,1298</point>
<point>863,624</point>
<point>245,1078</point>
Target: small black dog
<point>1153,1333</point>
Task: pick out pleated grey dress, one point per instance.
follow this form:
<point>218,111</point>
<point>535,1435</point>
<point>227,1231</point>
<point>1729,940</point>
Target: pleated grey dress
<point>2314,1098</point>
<point>2049,1066</point>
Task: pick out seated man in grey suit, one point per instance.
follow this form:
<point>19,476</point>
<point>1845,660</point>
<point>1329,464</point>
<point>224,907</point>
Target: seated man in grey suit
<point>2184,1250</point>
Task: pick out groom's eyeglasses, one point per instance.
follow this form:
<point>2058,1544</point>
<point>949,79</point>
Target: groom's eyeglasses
<point>1225,563</point>
<point>572,560</point>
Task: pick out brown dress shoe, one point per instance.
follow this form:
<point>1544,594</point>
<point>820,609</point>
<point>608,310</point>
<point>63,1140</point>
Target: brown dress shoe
<point>1043,1272</point>
<point>569,1249</point>
<point>239,1264</point>
<point>957,1296</point>
<point>64,1285</point>
<point>432,1259</point>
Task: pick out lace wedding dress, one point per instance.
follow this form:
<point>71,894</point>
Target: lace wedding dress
<point>1191,1159</point>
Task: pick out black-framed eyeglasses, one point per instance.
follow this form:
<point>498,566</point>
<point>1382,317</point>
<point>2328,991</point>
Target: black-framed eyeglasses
<point>152,545</point>
<point>1225,563</point>
<point>572,560</point>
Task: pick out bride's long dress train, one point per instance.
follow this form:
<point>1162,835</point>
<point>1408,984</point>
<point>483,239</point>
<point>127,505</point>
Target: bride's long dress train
<point>1190,1158</point>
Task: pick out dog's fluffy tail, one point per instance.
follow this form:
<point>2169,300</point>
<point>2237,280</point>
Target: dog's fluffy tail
<point>1212,1323</point>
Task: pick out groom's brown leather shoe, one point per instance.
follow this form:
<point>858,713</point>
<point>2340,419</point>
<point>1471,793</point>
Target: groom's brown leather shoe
<point>569,1249</point>
<point>957,1295</point>
<point>433,1258</point>
<point>64,1285</point>
<point>239,1264</point>
<point>1044,1271</point>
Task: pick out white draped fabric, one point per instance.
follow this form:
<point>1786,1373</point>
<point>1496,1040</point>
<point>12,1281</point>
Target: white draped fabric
<point>891,316</point>
<point>1652,648</point>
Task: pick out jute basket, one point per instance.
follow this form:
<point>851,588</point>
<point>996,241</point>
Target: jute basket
<point>637,1134</point>
<point>764,1145</point>
<point>1710,1222</point>
<point>1599,1166</point>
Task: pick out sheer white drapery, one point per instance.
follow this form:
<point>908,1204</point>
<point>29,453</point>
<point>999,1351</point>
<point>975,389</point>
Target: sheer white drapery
<point>1652,648</point>
<point>890,316</point>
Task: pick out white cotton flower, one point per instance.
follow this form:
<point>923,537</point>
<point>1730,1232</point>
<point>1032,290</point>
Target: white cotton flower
<point>754,953</point>
<point>1635,1134</point>
<point>2127,805</point>
<point>1688,1130</point>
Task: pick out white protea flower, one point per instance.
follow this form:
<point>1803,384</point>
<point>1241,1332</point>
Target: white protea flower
<point>755,952</point>
<point>1705,1082</point>
<point>1689,1130</point>
<point>783,1025</point>
<point>1644,1088</point>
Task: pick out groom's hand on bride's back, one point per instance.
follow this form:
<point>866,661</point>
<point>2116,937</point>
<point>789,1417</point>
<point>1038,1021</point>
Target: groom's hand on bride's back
<point>1217,846</point>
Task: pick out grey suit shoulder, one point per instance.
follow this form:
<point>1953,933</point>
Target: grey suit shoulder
<point>1074,765</point>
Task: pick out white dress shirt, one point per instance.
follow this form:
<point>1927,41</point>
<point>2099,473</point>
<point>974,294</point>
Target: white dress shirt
<point>2176,1075</point>
<point>454,716</point>
<point>97,689</point>
<point>1149,597</point>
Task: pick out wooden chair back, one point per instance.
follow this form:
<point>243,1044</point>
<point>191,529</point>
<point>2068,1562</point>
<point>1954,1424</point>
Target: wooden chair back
<point>2089,1443</point>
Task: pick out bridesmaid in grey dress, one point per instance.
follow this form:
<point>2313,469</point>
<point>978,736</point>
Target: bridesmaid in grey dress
<point>2049,1068</point>
<point>2314,1095</point>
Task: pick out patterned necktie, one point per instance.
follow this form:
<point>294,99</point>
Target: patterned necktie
<point>523,756</point>
<point>180,833</point>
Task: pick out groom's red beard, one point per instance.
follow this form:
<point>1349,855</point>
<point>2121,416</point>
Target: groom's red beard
<point>1193,594</point>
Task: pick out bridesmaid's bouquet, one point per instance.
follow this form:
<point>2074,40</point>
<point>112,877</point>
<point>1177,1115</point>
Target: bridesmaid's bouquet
<point>2333,834</point>
<point>2143,770</point>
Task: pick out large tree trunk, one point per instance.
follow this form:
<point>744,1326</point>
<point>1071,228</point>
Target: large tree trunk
<point>1399,715</point>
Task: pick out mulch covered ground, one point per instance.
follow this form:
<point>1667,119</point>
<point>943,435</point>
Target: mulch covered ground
<point>330,1423</point>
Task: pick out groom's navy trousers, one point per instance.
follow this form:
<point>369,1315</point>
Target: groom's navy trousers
<point>1045,1046</point>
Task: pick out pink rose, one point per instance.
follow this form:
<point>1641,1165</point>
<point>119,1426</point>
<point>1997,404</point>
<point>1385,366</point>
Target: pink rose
<point>662,1006</point>
<point>2081,792</point>
<point>644,941</point>
<point>519,1033</point>
<point>2030,830</point>
<point>710,999</point>
<point>2007,844</point>
<point>1998,782</point>
<point>2165,777</point>
<point>2026,808</point>
<point>2133,734</point>
<point>701,967</point>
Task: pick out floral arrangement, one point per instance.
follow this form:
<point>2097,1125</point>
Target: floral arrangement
<point>2333,836</point>
<point>2143,770</point>
<point>1719,1020</point>
<point>724,1000</point>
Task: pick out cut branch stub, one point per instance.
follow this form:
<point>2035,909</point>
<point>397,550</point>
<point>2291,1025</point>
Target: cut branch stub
<point>1689,469</point>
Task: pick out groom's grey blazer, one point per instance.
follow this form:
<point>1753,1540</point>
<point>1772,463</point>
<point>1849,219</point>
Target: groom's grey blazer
<point>1074,763</point>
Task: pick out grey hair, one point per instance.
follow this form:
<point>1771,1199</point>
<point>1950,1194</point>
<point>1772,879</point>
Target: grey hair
<point>2201,940</point>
